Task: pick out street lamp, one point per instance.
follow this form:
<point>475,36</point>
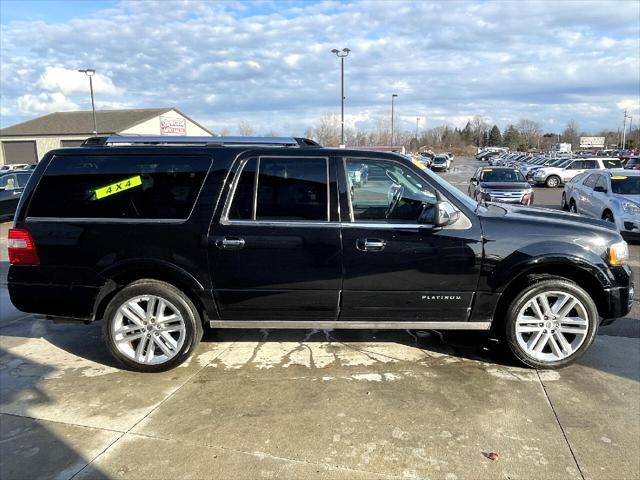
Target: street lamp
<point>393,96</point>
<point>90,72</point>
<point>341,55</point>
<point>417,127</point>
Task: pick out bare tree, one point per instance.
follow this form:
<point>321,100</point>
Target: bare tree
<point>479,127</point>
<point>245,129</point>
<point>530,132</point>
<point>570,134</point>
<point>327,130</point>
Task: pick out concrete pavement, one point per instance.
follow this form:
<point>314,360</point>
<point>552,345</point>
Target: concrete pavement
<point>314,404</point>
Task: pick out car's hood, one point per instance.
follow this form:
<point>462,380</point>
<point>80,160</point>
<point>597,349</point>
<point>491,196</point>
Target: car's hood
<point>506,185</point>
<point>549,215</point>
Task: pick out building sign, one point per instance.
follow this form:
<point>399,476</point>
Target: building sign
<point>173,126</point>
<point>591,142</point>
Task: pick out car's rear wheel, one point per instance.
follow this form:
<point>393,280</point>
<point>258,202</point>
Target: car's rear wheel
<point>552,181</point>
<point>151,326</point>
<point>551,323</point>
<point>608,216</point>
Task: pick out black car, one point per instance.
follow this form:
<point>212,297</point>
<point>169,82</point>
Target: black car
<point>500,184</point>
<point>160,237</point>
<point>12,184</point>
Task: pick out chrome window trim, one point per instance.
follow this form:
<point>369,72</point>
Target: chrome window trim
<point>372,225</point>
<point>104,220</point>
<point>224,218</point>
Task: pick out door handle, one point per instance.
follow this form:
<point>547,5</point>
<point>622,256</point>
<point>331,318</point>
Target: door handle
<point>229,243</point>
<point>370,244</point>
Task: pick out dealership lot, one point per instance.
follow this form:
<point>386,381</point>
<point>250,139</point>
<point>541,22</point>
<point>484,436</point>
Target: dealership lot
<point>318,404</point>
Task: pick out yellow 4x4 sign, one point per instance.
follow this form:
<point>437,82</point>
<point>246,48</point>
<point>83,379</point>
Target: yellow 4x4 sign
<point>117,187</point>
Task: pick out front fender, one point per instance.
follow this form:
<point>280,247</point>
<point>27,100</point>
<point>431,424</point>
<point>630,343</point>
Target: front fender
<point>532,257</point>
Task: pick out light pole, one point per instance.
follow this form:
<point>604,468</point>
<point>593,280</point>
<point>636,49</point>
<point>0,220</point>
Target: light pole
<point>90,72</point>
<point>341,55</point>
<point>624,130</point>
<point>393,97</point>
<point>417,127</point>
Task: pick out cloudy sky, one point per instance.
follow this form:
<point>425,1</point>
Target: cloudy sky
<point>269,63</point>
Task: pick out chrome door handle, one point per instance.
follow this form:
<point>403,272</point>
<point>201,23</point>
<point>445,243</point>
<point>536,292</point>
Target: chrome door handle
<point>229,243</point>
<point>370,244</point>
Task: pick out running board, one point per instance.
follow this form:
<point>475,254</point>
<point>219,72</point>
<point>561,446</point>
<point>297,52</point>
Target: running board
<point>350,325</point>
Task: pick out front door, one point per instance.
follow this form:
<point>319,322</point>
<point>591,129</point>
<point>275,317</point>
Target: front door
<point>398,266</point>
<point>274,245</point>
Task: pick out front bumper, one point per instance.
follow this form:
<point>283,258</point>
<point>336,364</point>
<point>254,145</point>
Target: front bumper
<point>618,300</point>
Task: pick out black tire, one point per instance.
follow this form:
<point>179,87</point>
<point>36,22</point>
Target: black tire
<point>535,286</point>
<point>563,202</point>
<point>573,208</point>
<point>553,181</point>
<point>608,216</point>
<point>190,314</point>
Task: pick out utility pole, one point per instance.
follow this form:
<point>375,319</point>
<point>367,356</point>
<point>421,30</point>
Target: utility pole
<point>341,56</point>
<point>393,96</point>
<point>417,127</point>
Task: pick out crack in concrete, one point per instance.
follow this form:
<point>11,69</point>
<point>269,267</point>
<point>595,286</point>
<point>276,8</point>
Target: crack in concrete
<point>564,434</point>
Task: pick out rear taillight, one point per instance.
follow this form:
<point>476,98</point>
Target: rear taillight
<point>22,250</point>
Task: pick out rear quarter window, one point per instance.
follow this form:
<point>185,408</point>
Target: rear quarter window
<point>120,187</point>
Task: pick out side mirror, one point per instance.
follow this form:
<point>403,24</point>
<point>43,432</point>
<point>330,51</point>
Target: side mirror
<point>474,180</point>
<point>446,214</point>
<point>600,189</point>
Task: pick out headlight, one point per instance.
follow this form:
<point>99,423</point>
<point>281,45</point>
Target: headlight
<point>632,208</point>
<point>618,254</point>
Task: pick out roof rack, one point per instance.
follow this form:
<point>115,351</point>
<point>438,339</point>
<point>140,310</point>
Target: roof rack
<point>115,140</point>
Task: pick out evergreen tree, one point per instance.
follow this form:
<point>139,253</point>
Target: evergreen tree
<point>511,137</point>
<point>495,137</point>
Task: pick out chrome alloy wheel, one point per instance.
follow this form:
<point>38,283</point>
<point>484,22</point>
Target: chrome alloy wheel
<point>148,329</point>
<point>552,326</point>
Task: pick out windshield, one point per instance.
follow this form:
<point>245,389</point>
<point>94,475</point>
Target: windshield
<point>624,185</point>
<point>501,175</point>
<point>452,191</point>
<point>633,161</point>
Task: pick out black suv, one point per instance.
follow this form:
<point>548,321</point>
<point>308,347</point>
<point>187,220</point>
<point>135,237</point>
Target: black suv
<point>160,238</point>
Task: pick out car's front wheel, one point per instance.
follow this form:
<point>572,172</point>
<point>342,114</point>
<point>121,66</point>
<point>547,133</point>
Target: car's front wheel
<point>151,326</point>
<point>552,181</point>
<point>551,323</point>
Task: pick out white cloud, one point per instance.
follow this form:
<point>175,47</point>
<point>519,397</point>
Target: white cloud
<point>63,80</point>
<point>44,103</point>
<point>271,64</point>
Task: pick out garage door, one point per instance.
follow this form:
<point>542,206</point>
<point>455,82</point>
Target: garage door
<point>19,152</point>
<point>71,143</point>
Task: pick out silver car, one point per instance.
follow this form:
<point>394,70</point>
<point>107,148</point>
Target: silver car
<point>612,195</point>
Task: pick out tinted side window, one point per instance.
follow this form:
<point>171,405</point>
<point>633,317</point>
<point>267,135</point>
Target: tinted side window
<point>577,165</point>
<point>292,189</point>
<point>590,181</point>
<point>602,182</point>
<point>590,164</point>
<point>8,182</point>
<point>242,204</point>
<point>120,187</point>
<point>23,178</point>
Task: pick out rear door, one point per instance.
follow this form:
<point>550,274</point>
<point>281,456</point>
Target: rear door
<point>274,244</point>
<point>397,269</point>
